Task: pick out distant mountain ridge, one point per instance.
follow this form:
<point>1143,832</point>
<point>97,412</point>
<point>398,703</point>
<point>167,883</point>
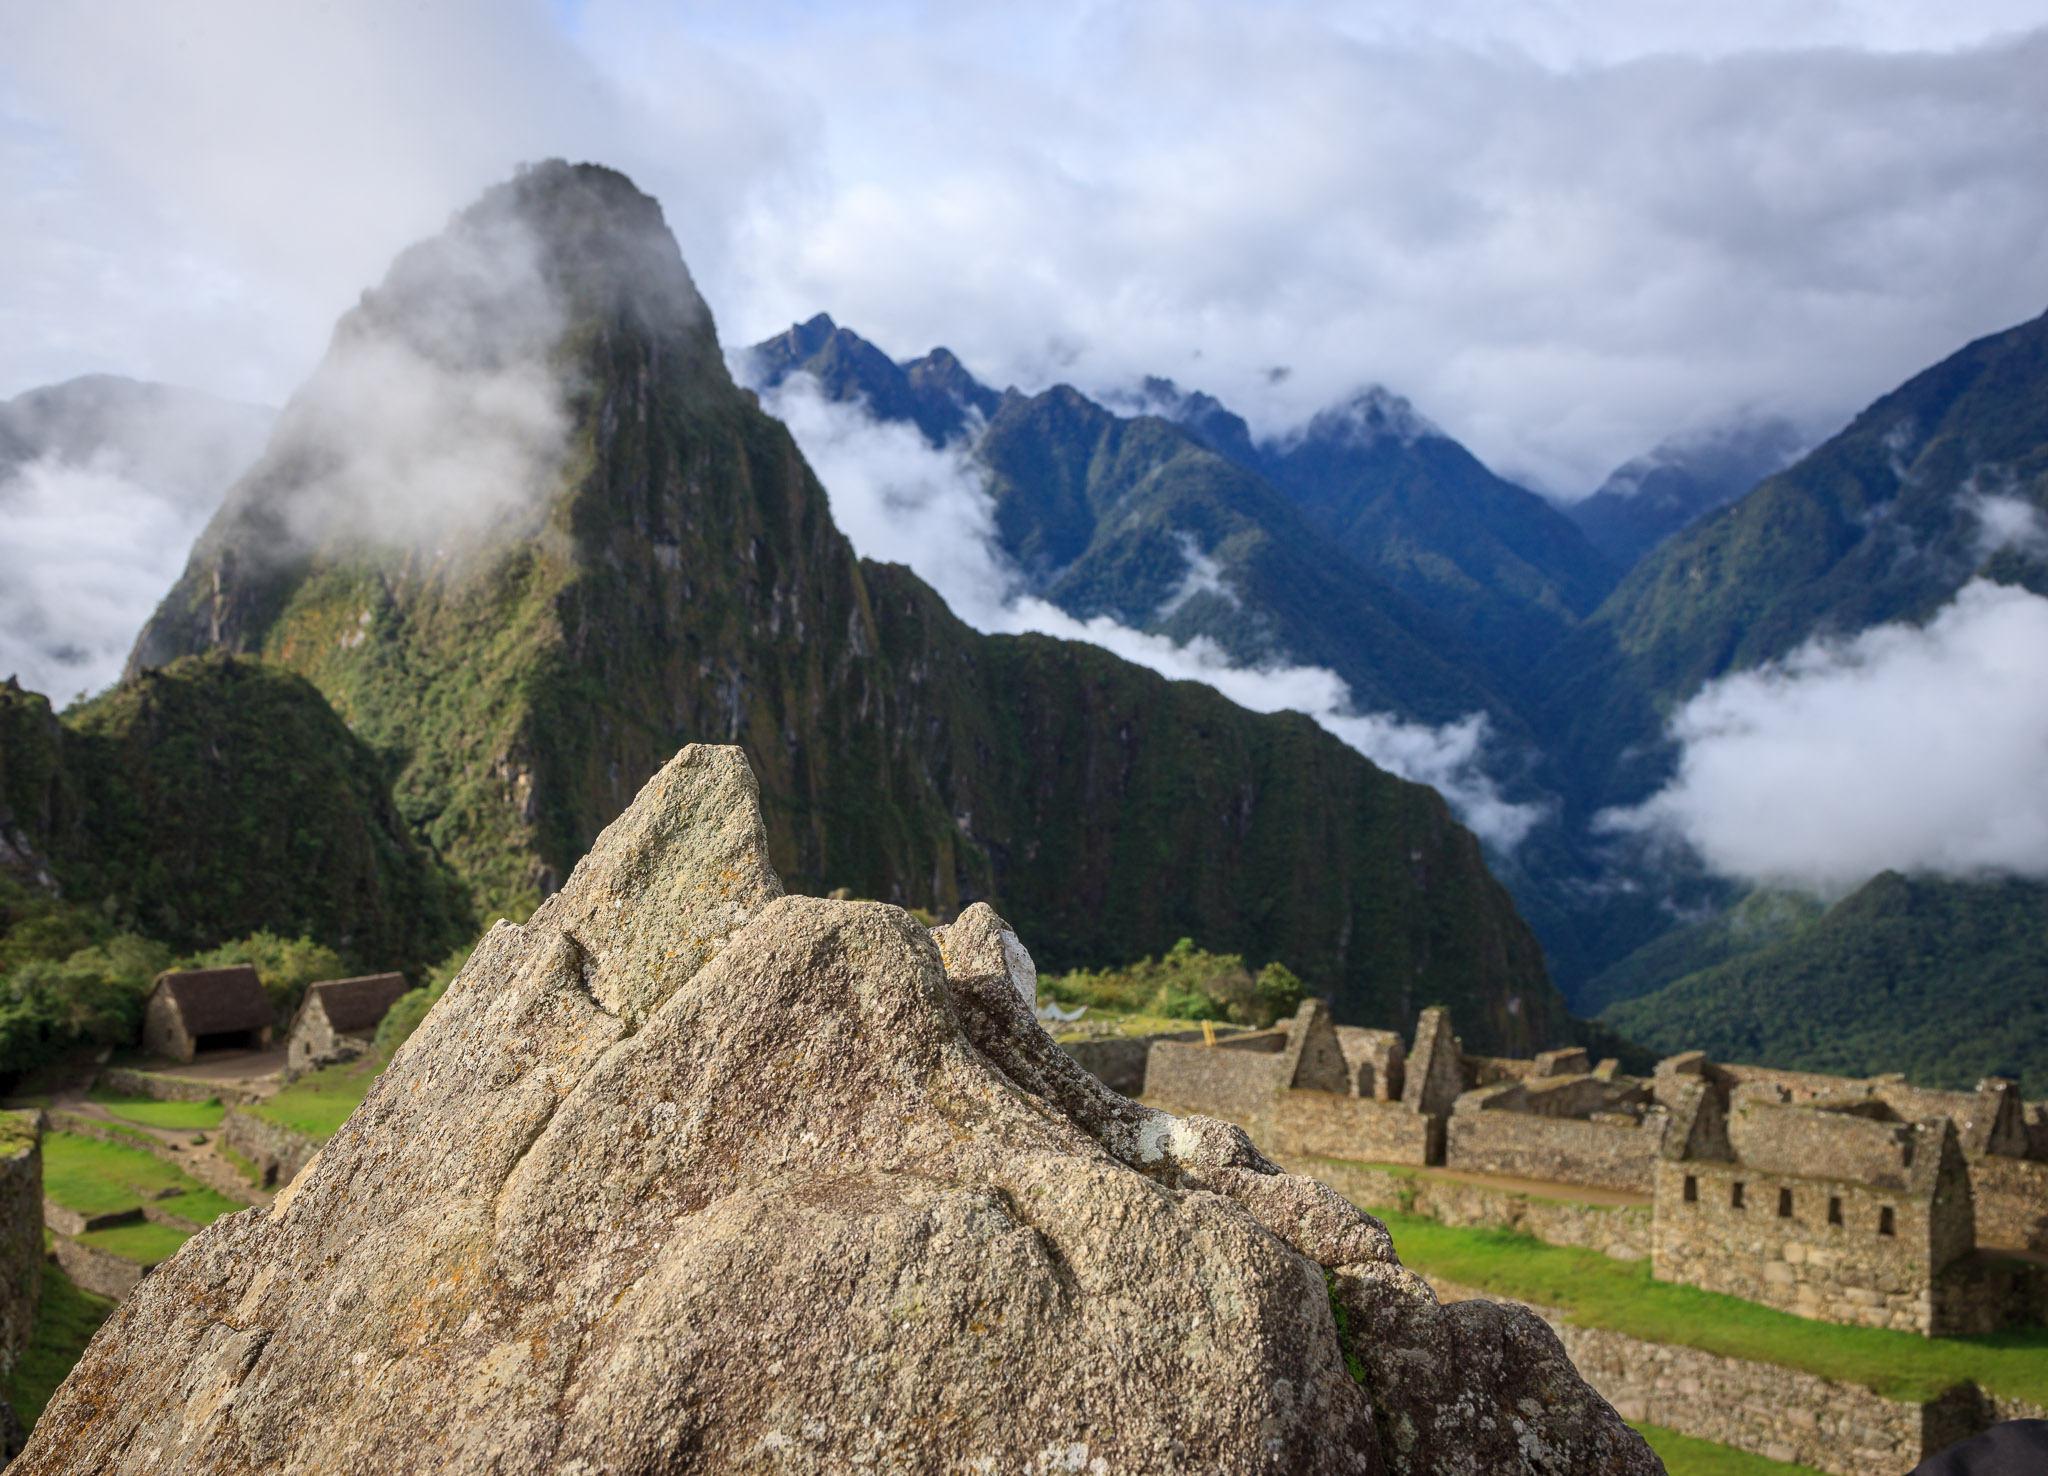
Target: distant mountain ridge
<point>1682,479</point>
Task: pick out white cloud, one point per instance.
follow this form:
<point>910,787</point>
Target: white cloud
<point>89,550</point>
<point>1567,231</point>
<point>899,500</point>
<point>1913,748</point>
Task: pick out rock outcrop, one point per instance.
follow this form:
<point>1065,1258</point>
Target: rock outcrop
<point>685,1175</point>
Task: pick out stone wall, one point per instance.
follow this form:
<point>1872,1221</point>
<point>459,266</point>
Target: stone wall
<point>278,1153</point>
<point>1248,1086</point>
<point>167,1088</point>
<point>1119,1061</point>
<point>1780,1413</point>
<point>21,1232</point>
<point>1565,1150</point>
<point>2012,1202</point>
<point>1618,1230</point>
<point>1810,1247</point>
<point>96,1270</point>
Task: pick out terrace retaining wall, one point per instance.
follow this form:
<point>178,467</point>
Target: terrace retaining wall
<point>167,1088</point>
<point>21,1232</point>
<point>277,1153</point>
<point>1764,1408</point>
<point>1618,1230</point>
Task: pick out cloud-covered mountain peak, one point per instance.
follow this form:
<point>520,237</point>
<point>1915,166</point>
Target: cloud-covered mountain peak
<point>1370,416</point>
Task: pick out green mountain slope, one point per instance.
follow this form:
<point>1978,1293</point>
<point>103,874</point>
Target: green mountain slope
<point>1135,519</point>
<point>214,798</point>
<point>1648,499</point>
<point>678,578</point>
<point>1880,523</point>
<point>1495,562</point>
<point>1944,981</point>
<point>1757,922</point>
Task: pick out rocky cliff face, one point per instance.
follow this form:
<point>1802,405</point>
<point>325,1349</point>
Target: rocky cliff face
<point>687,1175</point>
<point>662,567</point>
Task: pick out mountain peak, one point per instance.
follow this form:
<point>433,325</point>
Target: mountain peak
<point>1372,415</point>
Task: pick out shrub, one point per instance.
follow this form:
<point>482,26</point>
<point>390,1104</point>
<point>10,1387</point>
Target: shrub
<point>1186,983</point>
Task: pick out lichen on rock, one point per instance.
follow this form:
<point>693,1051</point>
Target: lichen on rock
<point>685,1175</point>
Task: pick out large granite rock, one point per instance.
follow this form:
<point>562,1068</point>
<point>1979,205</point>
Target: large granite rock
<point>837,1203</point>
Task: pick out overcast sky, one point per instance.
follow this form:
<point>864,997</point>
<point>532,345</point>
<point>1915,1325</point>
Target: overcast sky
<point>1565,230</point>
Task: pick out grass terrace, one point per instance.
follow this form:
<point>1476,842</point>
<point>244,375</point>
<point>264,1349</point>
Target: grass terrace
<point>1684,1456</point>
<point>98,1178</point>
<point>1621,1295</point>
<point>318,1103</point>
<point>176,1116</point>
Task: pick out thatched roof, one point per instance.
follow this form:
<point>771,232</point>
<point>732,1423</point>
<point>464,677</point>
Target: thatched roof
<point>215,1001</point>
<point>354,1006</point>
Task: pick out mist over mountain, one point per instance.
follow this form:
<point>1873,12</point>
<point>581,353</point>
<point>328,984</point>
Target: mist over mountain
<point>1648,499</point>
<point>104,482</point>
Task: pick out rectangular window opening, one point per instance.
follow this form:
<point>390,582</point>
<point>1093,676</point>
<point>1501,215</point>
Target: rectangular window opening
<point>1834,1210</point>
<point>1886,1225</point>
<point>1735,1195</point>
<point>1784,1204</point>
<point>1692,1189</point>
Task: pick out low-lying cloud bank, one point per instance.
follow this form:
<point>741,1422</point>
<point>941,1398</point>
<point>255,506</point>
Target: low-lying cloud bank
<point>899,500</point>
<point>1915,748</point>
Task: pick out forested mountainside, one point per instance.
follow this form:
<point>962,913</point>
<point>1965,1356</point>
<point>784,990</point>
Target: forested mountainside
<point>1885,521</point>
<point>1945,981</point>
<point>676,576</point>
<point>211,799</point>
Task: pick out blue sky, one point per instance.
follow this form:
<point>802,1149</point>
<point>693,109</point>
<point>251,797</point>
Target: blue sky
<point>1565,230</point>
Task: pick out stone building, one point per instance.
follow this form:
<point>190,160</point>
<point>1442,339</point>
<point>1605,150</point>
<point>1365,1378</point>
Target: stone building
<point>337,1020</point>
<point>195,1010</point>
<point>1849,1200</point>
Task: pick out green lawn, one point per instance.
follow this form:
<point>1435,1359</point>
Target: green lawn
<point>65,1323</point>
<point>145,1242</point>
<point>318,1104</point>
<point>1621,1295</point>
<point>1684,1456</point>
<point>181,1116</point>
<point>98,1178</point>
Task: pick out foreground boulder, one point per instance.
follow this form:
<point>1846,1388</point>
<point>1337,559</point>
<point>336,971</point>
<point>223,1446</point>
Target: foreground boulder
<point>685,1175</point>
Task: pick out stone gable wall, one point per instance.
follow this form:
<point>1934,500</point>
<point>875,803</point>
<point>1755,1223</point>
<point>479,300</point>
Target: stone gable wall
<point>163,1030</point>
<point>2012,1202</point>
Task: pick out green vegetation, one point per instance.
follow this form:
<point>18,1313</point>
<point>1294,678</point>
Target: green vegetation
<point>318,1103</point>
<point>1185,983</point>
<point>1342,1318</point>
<point>178,1116</point>
<point>1944,981</point>
<point>1684,1456</point>
<point>1758,921</point>
<point>97,1178</point>
<point>240,1164</point>
<point>1621,1295</point>
<point>65,1322</point>
<point>406,1012</point>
